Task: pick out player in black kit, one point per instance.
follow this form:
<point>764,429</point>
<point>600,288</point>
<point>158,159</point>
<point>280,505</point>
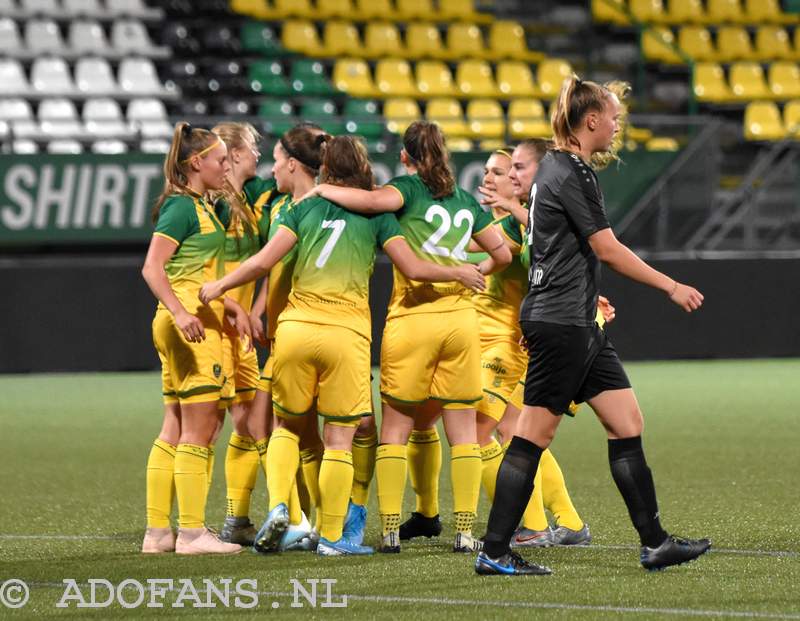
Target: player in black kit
<point>570,357</point>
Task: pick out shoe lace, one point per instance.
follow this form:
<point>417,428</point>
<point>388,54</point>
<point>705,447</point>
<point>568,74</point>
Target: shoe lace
<point>516,560</point>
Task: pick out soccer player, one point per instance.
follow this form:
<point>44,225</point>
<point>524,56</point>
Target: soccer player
<point>322,342</point>
<point>430,342</point>
<point>186,249</point>
<point>570,357</point>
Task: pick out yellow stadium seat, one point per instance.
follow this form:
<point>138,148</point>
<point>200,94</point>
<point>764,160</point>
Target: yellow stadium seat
<point>260,9</point>
<point>784,79</point>
<point>423,41</point>
<point>648,11</point>
<point>772,42</point>
<point>661,143</point>
<point>293,8</point>
<point>352,76</point>
<point>696,42</point>
<point>393,78</point>
<point>328,9</point>
<point>507,40</point>
<point>341,39</point>
<point>550,75</point>
<point>434,79</point>
<point>733,43</point>
<point>462,10</point>
<point>474,79</point>
<point>638,134</point>
<point>610,11</point>
<point>486,119</point>
<point>491,144</point>
<point>710,84</point>
<point>791,118</point>
<point>762,121</point>
<point>447,113</point>
<point>527,119</point>
<point>767,11</point>
<point>747,81</point>
<point>657,45</point>
<point>464,41</point>
<point>301,36</point>
<point>400,113</point>
<point>374,10</point>
<point>514,79</point>
<point>414,9</point>
<point>682,12</point>
<point>458,144</point>
<point>382,39</point>
<point>724,12</point>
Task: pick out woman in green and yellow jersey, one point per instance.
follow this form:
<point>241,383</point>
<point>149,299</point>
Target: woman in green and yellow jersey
<point>322,343</point>
<point>186,249</point>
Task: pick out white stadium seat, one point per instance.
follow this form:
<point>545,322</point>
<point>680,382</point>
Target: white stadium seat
<point>12,78</point>
<point>86,37</point>
<point>43,37</point>
<point>93,76</point>
<point>50,76</point>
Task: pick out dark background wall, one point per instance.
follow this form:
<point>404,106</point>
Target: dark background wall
<point>94,313</point>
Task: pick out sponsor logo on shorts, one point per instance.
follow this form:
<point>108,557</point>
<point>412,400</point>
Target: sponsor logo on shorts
<point>495,365</point>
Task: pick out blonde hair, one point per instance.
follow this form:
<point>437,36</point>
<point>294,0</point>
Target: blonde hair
<point>235,136</point>
<point>425,145</point>
<point>577,98</point>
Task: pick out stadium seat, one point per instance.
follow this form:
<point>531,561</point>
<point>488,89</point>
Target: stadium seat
<point>423,41</point>
<point>15,109</point>
<point>747,81</point>
<point>772,42</point>
<point>362,118</point>
<point>260,39</point>
<point>278,116</point>
<point>293,8</point>
<point>260,9</point>
<point>267,77</point>
<point>507,40</point>
<point>109,147</point>
<point>58,118</point>
<point>394,79</point>
<point>133,8</point>
<point>220,40</point>
<point>681,12</point>
<point>93,76</point>
<point>724,12</point>
<point>44,37</point>
<point>434,79</point>
<point>464,41</point>
<point>129,36</point>
<point>103,118</point>
<point>648,11</point>
<point>308,78</point>
<point>514,79</point>
<point>527,119</point>
<point>87,38</point>
<point>733,43</point>
<point>154,146</point>
<point>409,10</point>
<point>610,11</point>
<point>323,112</point>
<point>710,84</point>
<point>658,45</point>
<point>762,121</point>
<point>767,11</point>
<point>50,76</point>
<point>89,9</point>
<point>301,36</point>
<point>374,10</point>
<point>12,78</point>
<point>400,113</point>
<point>447,113</point>
<point>354,78</point>
<point>332,9</point>
<point>791,118</point>
<point>137,76</point>
<point>486,119</point>
<point>550,75</point>
<point>10,40</point>
<point>149,116</point>
<point>40,8</point>
<point>64,146</point>
<point>458,144</point>
<point>177,36</point>
<point>462,10</point>
<point>696,42</point>
<point>474,79</point>
<point>662,143</point>
<point>382,39</point>
<point>784,80</point>
<point>340,39</point>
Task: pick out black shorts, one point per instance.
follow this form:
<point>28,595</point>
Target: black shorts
<point>569,363</point>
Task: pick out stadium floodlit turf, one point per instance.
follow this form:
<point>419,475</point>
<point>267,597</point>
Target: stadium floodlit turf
<point>721,438</point>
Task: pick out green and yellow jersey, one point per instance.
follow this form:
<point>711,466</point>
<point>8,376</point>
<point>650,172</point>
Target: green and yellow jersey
<point>335,258</point>
<point>438,230</point>
<point>280,276</point>
<point>259,194</point>
<point>192,223</point>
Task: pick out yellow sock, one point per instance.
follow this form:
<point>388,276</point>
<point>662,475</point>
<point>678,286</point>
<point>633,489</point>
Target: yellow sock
<point>295,512</point>
<point>390,473</point>
<point>311,460</point>
<point>491,458</point>
<point>160,478</point>
<point>302,490</point>
<point>241,468</point>
<point>191,484</point>
<point>555,496</point>
<point>424,466</point>
<point>534,517</point>
<point>465,474</point>
<point>283,456</point>
<point>364,448</point>
<point>335,483</point>
<point>211,455</point>
<point>261,449</point>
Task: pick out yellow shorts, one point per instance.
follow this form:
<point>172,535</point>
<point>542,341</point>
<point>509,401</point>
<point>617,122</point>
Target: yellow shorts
<point>329,363</point>
<point>502,364</point>
<point>190,372</point>
<point>432,355</point>
<point>241,369</point>
<point>265,379</point>
<point>519,393</point>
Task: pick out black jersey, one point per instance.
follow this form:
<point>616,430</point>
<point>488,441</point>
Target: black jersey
<point>566,207</point>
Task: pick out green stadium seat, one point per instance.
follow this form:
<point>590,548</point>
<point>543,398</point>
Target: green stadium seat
<point>259,38</point>
<point>267,77</point>
<point>308,78</point>
<point>362,118</point>
<point>278,115</point>
<point>323,112</point>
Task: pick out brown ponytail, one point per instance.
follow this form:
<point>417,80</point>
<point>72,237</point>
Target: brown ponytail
<point>424,143</point>
<point>304,144</point>
<point>345,162</point>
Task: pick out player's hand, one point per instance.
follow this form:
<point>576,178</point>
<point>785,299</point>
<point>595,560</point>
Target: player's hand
<point>257,327</point>
<point>492,199</point>
<point>523,343</point>
<point>190,326</point>
<point>470,276</point>
<point>210,291</point>
<point>688,298</point>
<point>244,329</point>
<point>315,191</point>
<point>604,306</point>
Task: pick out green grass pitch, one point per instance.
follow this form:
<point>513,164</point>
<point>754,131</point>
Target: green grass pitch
<point>721,438</point>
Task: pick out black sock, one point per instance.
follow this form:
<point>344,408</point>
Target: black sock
<point>635,482</point>
<point>511,496</point>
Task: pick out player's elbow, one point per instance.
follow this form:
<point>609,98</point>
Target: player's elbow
<point>502,256</point>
